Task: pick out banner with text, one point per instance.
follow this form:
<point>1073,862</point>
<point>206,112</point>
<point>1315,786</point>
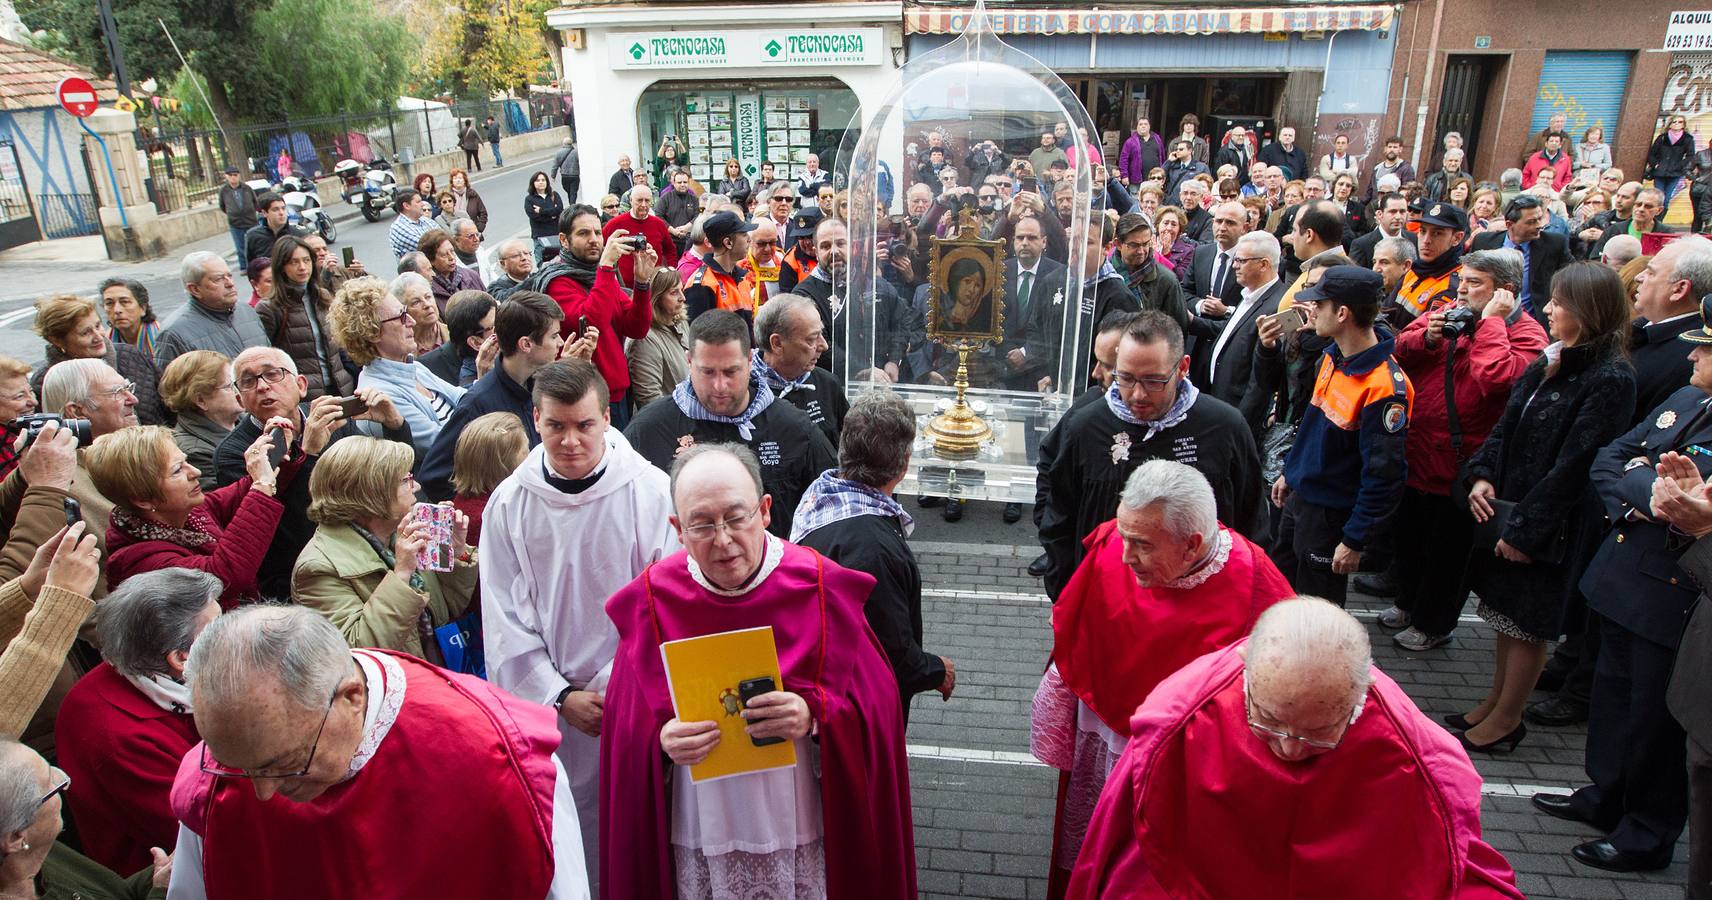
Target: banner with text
<point>758,48</point>
<point>1175,21</point>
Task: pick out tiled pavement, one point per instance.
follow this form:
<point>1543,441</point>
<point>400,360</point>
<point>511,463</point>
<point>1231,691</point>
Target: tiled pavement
<point>983,807</point>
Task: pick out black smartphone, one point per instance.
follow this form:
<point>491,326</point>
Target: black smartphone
<point>281,445</point>
<point>582,325</point>
<point>351,407</point>
<point>751,688</point>
<point>350,255</point>
<point>73,511</point>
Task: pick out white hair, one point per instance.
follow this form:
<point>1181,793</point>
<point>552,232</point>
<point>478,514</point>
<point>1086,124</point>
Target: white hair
<point>289,649</point>
<point>195,266</point>
<point>1693,264</point>
<point>1306,641</point>
<point>20,789</point>
<point>1182,492</point>
<point>458,224</point>
<point>151,615</point>
<point>407,280</point>
<point>249,353</point>
<point>70,381</point>
<point>1403,247</point>
<point>1263,243</point>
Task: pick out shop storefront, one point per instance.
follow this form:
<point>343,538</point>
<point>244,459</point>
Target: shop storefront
<point>722,89</point>
<point>1321,69</point>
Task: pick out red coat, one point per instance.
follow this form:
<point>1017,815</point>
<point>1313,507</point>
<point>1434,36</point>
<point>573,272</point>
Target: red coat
<point>659,237</point>
<point>1531,169</point>
<point>608,309</point>
<point>122,752</point>
<point>1485,368</point>
<point>242,522</point>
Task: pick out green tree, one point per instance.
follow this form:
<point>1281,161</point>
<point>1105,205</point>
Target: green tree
<point>337,55</point>
<point>484,46</point>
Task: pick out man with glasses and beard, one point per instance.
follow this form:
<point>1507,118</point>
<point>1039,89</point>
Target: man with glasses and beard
<point>1152,411</point>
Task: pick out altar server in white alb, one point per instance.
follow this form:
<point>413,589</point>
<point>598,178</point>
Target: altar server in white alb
<point>580,518</point>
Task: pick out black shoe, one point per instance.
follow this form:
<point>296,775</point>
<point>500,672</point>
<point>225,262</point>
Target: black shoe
<point>1601,855</point>
<point>1556,712</point>
<point>1375,584</point>
<point>1505,744</point>
<point>953,510</point>
<point>1039,566</point>
<point>1457,721</point>
<point>928,502</point>
<point>1013,512</point>
<point>1553,676</point>
<point>1562,806</point>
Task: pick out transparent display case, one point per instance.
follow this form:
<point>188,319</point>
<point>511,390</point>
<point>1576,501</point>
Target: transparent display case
<point>976,317</point>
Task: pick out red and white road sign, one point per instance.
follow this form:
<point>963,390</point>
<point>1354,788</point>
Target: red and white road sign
<point>77,95</point>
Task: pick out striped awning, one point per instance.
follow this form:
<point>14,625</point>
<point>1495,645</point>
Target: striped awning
<point>1159,21</point>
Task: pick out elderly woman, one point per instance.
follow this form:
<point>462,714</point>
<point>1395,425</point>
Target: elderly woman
<point>1573,400</point>
<point>16,399</point>
<point>294,316</point>
<point>448,210</point>
<point>361,568</point>
<point>378,333</point>
<point>1355,217</point>
<point>1168,227</point>
<point>33,863</point>
<point>130,317</point>
<point>448,277</point>
<point>125,727</point>
<point>659,361</point>
<point>71,325</point>
<point>198,386</point>
<point>260,274</point>
<point>162,518</point>
<point>423,184</point>
<point>429,332</point>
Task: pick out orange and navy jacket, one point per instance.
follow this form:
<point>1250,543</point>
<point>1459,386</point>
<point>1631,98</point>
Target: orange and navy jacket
<point>712,287</point>
<point>1349,450</point>
<point>1417,295</point>
<point>801,266</point>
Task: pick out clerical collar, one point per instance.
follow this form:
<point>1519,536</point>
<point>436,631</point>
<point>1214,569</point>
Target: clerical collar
<point>572,485</point>
<point>775,554</point>
<point>385,680</point>
<point>1211,565</point>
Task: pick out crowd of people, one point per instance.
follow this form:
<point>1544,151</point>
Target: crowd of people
<point>409,551</point>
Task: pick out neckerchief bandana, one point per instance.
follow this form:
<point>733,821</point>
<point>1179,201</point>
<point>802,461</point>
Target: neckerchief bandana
<point>832,499</point>
<point>760,397</point>
<point>1186,395</point>
<point>781,387</point>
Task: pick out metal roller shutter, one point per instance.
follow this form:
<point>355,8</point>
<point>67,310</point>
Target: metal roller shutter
<point>1586,86</point>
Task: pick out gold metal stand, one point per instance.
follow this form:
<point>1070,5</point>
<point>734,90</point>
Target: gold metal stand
<point>958,433</point>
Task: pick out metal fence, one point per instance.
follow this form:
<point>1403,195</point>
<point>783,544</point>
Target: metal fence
<point>68,215</point>
<point>186,166</point>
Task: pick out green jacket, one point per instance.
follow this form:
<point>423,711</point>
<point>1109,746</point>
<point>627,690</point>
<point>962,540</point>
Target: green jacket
<point>341,577</point>
<point>67,875</point>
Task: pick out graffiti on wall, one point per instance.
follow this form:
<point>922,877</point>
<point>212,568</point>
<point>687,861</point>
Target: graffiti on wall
<point>1577,118</point>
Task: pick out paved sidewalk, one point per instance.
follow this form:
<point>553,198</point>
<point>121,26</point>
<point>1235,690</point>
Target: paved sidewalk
<point>984,807</point>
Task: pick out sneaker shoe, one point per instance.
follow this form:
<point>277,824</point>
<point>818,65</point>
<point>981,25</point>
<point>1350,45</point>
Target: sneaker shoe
<point>1394,618</point>
<point>1419,641</point>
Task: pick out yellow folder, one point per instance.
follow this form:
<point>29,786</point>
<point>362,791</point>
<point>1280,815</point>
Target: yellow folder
<point>703,674</point>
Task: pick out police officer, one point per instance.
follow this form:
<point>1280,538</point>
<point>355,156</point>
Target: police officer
<point>800,259</point>
<point>1343,477</point>
<point>721,282</point>
<point>1636,751</point>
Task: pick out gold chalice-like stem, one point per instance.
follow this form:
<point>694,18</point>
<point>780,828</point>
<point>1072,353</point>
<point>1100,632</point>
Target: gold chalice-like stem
<point>958,433</point>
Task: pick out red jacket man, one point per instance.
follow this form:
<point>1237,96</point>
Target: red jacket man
<point>585,288</point>
<point>640,220</point>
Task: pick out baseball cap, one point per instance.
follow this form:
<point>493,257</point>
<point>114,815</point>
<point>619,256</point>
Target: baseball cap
<point>803,224</point>
<point>1444,215</point>
<point>724,224</point>
<point>1346,285</point>
<point>232,170</point>
<point>1703,334</point>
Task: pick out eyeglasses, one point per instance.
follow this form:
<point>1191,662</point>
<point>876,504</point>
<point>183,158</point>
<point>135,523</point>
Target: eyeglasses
<point>58,789</point>
<point>213,767</point>
<point>784,198</point>
<point>704,533</point>
<point>609,206</point>
<point>402,315</point>
<point>124,387</point>
<point>1151,384</point>
<point>1244,260</point>
<point>248,383</point>
<point>1264,731</point>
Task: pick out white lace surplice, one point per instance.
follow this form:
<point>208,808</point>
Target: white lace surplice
<point>751,837</point>
<point>1068,736</point>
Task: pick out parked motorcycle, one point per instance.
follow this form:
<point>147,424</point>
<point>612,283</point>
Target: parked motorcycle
<point>371,188</point>
<point>302,206</point>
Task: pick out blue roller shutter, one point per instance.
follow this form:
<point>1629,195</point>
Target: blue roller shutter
<point>1587,87</point>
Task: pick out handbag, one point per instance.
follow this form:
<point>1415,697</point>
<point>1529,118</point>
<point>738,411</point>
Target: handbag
<point>460,643</point>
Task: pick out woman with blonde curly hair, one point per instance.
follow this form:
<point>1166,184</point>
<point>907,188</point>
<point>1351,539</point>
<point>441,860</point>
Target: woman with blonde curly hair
<point>361,568</point>
<point>377,332</point>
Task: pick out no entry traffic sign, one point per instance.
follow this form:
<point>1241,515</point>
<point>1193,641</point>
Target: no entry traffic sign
<point>77,95</point>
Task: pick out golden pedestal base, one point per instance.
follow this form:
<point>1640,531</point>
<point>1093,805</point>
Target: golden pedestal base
<point>958,433</point>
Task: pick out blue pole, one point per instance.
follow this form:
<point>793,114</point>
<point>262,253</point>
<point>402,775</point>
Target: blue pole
<point>124,222</point>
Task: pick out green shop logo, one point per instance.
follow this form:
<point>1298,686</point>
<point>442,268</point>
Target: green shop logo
<point>636,51</point>
<point>773,48</point>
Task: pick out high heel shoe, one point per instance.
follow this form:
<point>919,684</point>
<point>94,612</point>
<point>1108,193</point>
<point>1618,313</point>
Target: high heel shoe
<point>1457,721</point>
<point>1505,744</point>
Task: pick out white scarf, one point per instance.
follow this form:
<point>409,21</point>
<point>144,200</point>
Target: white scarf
<point>167,693</point>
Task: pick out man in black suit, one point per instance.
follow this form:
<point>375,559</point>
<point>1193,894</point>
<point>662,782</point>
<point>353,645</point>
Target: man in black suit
<point>1667,303</point>
<point>1636,751</point>
<point>1034,301</point>
<point>1226,366</point>
<point>1209,275</point>
<point>1390,219</point>
<point>1543,253</point>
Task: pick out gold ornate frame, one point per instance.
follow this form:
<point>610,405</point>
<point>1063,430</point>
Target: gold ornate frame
<point>943,254</point>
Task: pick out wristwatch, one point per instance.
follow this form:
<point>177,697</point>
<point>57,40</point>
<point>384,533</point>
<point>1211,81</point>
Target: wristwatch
<point>559,701</point>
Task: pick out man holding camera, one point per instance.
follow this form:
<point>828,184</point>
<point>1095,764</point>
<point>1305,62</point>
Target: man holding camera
<point>1462,358</point>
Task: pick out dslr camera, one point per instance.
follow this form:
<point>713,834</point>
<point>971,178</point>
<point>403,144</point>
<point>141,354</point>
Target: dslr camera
<point>31,425</point>
<point>1459,321</point>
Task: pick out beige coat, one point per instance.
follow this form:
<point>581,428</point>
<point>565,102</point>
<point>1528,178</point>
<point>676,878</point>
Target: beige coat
<point>341,577</point>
